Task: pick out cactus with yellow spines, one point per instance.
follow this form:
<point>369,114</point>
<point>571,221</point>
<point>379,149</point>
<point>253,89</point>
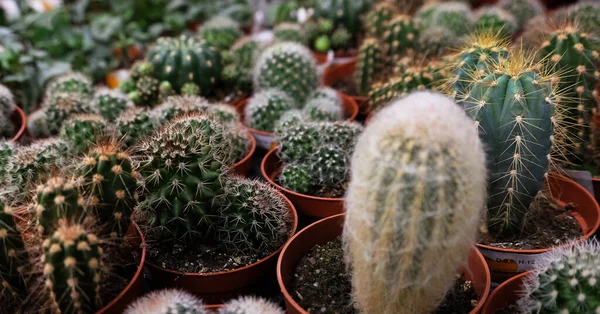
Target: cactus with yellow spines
<point>401,35</point>
<point>167,301</point>
<point>370,62</point>
<point>81,130</point>
<point>414,203</point>
<point>58,201</point>
<point>378,17</point>
<point>13,256</point>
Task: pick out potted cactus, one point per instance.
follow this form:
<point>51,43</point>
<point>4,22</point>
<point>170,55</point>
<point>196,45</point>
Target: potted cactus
<point>391,268</point>
<point>12,119</point>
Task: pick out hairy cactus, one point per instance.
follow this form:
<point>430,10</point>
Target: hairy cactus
<point>495,19</point>
<point>37,124</point>
<point>340,38</point>
<point>401,35</point>
<point>220,32</point>
<point>289,67</point>
<point>13,256</point>
<point>297,177</point>
<point>58,202</point>
<point>290,32</point>
<point>566,281</point>
<point>74,269</point>
<point>436,41</point>
<point>134,124</point>
<point>75,83</point>
<point>60,106</point>
<point>186,60</point>
<point>323,109</point>
<point>254,217</point>
<point>378,17</point>
<point>329,165</point>
<point>167,301</point>
<point>522,10</point>
<point>81,130</point>
<point>111,104</point>
<point>413,204</point>
<point>454,15</point>
<point>265,108</point>
<point>250,305</point>
<point>370,62</point>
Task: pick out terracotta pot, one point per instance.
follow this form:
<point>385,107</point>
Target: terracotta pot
<point>265,140</point>
<point>506,294</point>
<point>321,58</point>
<point>243,166</point>
<point>506,263</point>
<point>221,286</point>
<point>18,118</point>
<point>213,307</point>
<point>330,228</point>
<point>270,168</point>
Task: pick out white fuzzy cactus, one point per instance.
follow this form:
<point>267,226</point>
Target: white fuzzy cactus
<point>168,301</point>
<point>414,204</point>
<point>250,305</point>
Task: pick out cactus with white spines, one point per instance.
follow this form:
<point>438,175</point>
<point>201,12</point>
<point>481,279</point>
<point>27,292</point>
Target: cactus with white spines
<point>134,124</point>
<point>13,256</point>
<point>250,305</point>
<point>378,17</point>
<point>340,38</point>
<point>436,40</point>
<point>329,165</point>
<point>81,131</point>
<point>175,106</point>
<point>327,92</point>
<point>265,108</point>
<point>453,15</point>
<point>190,89</point>
<point>297,177</point>
<point>289,67</point>
<point>323,109</point>
<point>7,149</point>
<point>522,10</point>
<point>7,106</point>
<point>370,62</point>
<point>225,113</point>
<point>401,35</point>
<point>146,91</point>
<point>288,119</point>
<point>140,69</point>
<point>297,141</point>
<point>290,32</point>
<point>341,133</point>
<point>111,104</point>
<point>220,32</point>
<point>565,281</point>
<point>75,83</point>
<point>495,19</point>
<point>58,201</point>
<point>59,107</point>
<point>413,205</point>
<point>37,124</point>
<point>167,301</point>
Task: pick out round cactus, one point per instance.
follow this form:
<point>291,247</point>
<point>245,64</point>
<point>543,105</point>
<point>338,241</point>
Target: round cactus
<point>245,52</point>
<point>186,60</point>
<point>254,217</point>
<point>265,108</point>
<point>37,124</point>
<point>81,130</point>
<point>455,16</point>
<point>190,89</point>
<point>323,109</point>
<point>290,32</point>
<point>329,165</point>
<point>7,149</point>
<point>297,177</point>
<point>175,106</point>
<point>71,83</point>
<point>134,124</point>
<point>370,62</point>
<point>297,142</point>
<point>495,19</point>
<point>110,104</point>
<point>522,10</point>
<point>140,69</point>
<point>7,101</point>
<point>220,32</point>
<point>289,67</point>
<point>436,41</point>
<point>146,91</point>
<point>340,38</point>
<point>167,301</point>
<point>250,305</point>
<point>341,133</point>
<point>225,113</point>
<point>58,202</point>
<point>288,119</point>
<point>342,12</point>
<point>60,106</point>
<point>13,256</point>
<point>401,35</point>
<point>378,18</point>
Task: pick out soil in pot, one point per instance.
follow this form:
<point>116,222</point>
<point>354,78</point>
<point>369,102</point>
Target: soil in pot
<point>550,226</point>
<point>332,293</point>
<point>337,191</point>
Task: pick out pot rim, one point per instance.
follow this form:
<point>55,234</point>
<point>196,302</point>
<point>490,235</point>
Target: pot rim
<point>18,111</point>
<point>487,306</point>
<point>250,152</point>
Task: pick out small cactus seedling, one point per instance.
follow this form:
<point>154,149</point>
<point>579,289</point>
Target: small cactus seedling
<point>401,35</point>
<point>565,281</point>
<point>58,201</point>
<point>167,301</point>
<point>290,32</point>
<point>265,108</point>
<point>220,32</point>
<point>111,104</point>
<point>370,63</point>
<point>340,38</point>
<point>81,131</point>
<point>13,256</point>
<point>60,106</point>
<point>378,18</point>
<point>250,305</point>
<point>289,67</point>
<point>297,177</point>
<point>495,19</point>
<point>134,124</point>
<point>37,124</point>
<point>522,10</point>
<point>413,205</point>
<point>75,83</point>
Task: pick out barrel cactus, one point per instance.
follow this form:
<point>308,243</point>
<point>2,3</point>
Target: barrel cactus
<point>175,106</point>
<point>436,41</point>
<point>453,15</point>
<point>297,177</point>
<point>220,32</point>
<point>414,204</point>
<point>297,141</point>
<point>250,305</point>
<point>81,130</point>
<point>585,13</point>
<point>370,62</point>
<point>265,108</point>
<point>522,10</point>
<point>378,17</point>
<point>400,35</point>
<point>167,301</point>
<point>344,134</point>
<point>342,12</point>
<point>329,165</point>
<point>134,124</point>
<point>290,32</point>
<point>75,82</point>
<point>111,104</point>
<point>323,109</point>
<point>13,256</point>
<point>61,105</point>
<point>496,19</point>
<point>58,202</point>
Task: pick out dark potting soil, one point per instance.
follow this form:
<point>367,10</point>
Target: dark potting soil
<point>511,309</point>
<point>550,226</point>
<point>337,191</point>
<point>321,284</point>
<point>198,259</point>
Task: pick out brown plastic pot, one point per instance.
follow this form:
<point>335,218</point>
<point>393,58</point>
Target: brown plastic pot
<point>506,294</point>
<point>218,287</point>
<point>314,206</point>
<point>336,72</point>
<point>265,140</point>
<point>243,166</point>
<point>18,118</point>
<point>321,58</point>
<point>506,263</point>
<point>330,228</point>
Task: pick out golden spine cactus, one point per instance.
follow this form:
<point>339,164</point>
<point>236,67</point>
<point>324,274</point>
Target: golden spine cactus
<point>413,205</point>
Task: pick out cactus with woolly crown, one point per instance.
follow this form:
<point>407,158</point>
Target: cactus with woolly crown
<point>522,10</point>
<point>565,281</point>
<point>250,305</point>
<point>297,177</point>
<point>265,108</point>
<point>58,202</point>
<point>75,83</point>
<point>111,104</point>
<point>81,130</point>
<point>186,59</point>
<point>323,109</point>
<point>13,256</point>
<point>254,217</point>
<point>134,124</point>
<point>413,204</point>
<point>61,105</point>
<point>74,269</point>
<point>401,35</point>
<point>495,19</point>
<point>378,17</point>
<point>167,301</point>
<point>220,32</point>
<point>289,67</point>
<point>290,32</point>
<point>370,62</point>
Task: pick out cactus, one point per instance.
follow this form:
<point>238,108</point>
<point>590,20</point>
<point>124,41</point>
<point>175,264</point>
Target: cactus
<point>413,205</point>
<point>190,89</point>
<point>13,256</point>
<point>134,124</point>
<point>566,281</point>
<point>297,142</point>
<point>522,10</point>
<point>253,218</point>
<point>342,12</point>
<point>455,16</point>
<point>225,113</point>
<point>265,108</point>
<point>111,104</point>
<point>344,134</point>
<point>7,101</point>
<point>141,68</point>
<point>413,78</point>
<point>329,165</point>
<point>7,149</point>
<point>436,41</point>
<point>288,119</point>
<point>75,83</point>
<point>109,185</point>
<point>401,35</point>
<point>340,38</point>
<point>495,19</point>
<point>289,67</point>
<point>250,305</point>
<point>167,301</point>
<point>297,177</point>
<point>220,32</point>
<point>370,62</point>
<point>60,106</point>
<point>74,269</point>
<point>245,52</point>
<point>146,91</point>
<point>323,109</point>
<point>57,202</point>
<point>186,60</point>
<point>585,13</point>
<point>378,17</point>
<point>290,32</point>
<point>37,124</point>
<point>81,130</point>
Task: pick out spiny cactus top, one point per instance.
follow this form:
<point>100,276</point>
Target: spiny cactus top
<point>289,67</point>
<point>111,104</point>
<point>250,305</point>
<point>186,59</point>
<point>61,105</point>
<point>58,201</point>
<point>134,124</point>
<point>522,10</point>
<point>81,131</point>
<point>175,106</point>
<point>167,301</point>
<point>323,109</point>
<point>220,32</point>
<point>497,19</point>
<point>453,15</point>
<point>586,13</point>
<point>370,63</point>
<point>378,17</point>
<point>71,83</point>
<point>13,256</point>
<point>414,204</point>
<point>291,32</point>
<point>265,108</point>
<point>565,281</point>
<point>401,35</point>
<point>6,151</point>
<point>342,12</point>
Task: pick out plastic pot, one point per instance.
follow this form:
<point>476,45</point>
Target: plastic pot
<point>506,294</point>
<point>218,287</point>
<point>19,118</point>
<point>314,206</point>
<point>265,140</point>
<point>330,228</point>
<point>243,166</point>
<point>506,263</point>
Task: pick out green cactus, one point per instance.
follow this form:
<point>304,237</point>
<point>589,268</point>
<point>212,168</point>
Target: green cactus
<point>176,106</point>
<point>250,305</point>
<point>60,106</point>
<point>147,89</point>
<point>436,41</point>
<point>75,82</point>
<point>220,32</point>
<point>323,109</point>
<point>297,177</point>
<point>344,134</point>
<point>141,68</point>
<point>329,165</point>
<point>289,67</point>
<point>81,130</point>
<point>134,124</point>
<point>167,301</point>
<point>343,12</point>
<point>13,256</point>
<point>225,113</point>
<point>7,101</point>
<point>165,90</point>
<point>340,39</point>
<point>265,108</point>
<point>290,32</point>
<point>74,269</point>
<point>370,62</point>
<point>288,119</point>
<point>245,52</point>
<point>453,15</point>
<point>495,19</point>
<point>401,35</point>
<point>322,44</point>
<point>253,218</point>
<point>37,124</point>
<point>186,60</point>
<point>413,205</point>
<point>414,78</point>
<point>566,281</point>
<point>522,10</point>
<point>127,86</point>
<point>311,29</point>
<point>110,104</point>
<point>297,142</point>
<point>57,202</point>
<point>7,149</point>
<point>378,18</point>
<point>190,89</point>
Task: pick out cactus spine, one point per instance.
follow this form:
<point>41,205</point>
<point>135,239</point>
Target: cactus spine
<point>167,301</point>
<point>81,130</point>
<point>265,108</point>
<point>250,305</point>
<point>370,62</point>
<point>111,104</point>
<point>58,202</point>
<point>413,205</point>
<point>13,256</point>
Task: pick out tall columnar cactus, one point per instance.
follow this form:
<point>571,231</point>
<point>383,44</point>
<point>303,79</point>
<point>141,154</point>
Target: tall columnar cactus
<point>265,108</point>
<point>111,104</point>
<point>134,124</point>
<point>250,305</point>
<point>81,131</point>
<point>61,105</point>
<point>220,32</point>
<point>109,184</point>
<point>75,83</point>
<point>289,67</point>
<point>58,202</point>
<point>370,62</point>
<point>253,218</point>
<point>378,17</point>
<point>413,205</point>
<point>496,19</point>
<point>400,35</point>
<point>522,10</point>
<point>186,59</point>
<point>572,52</point>
<point>515,108</point>
<point>167,301</point>
<point>74,269</point>
<point>566,281</point>
<point>343,12</point>
<point>290,32</point>
<point>13,256</point>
